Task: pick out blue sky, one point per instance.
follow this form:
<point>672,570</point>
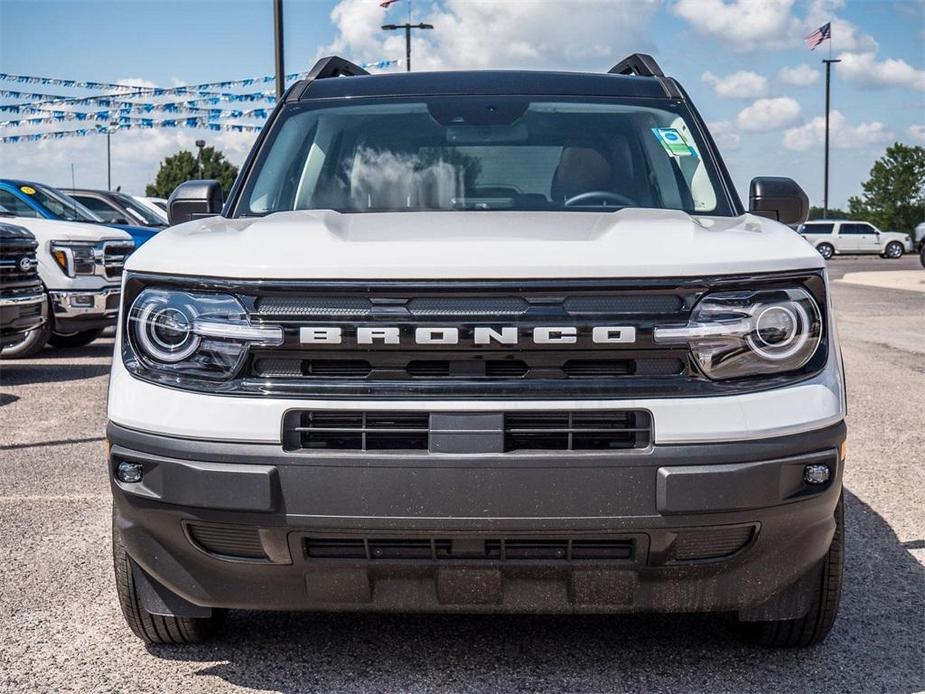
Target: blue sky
<point>729,54</point>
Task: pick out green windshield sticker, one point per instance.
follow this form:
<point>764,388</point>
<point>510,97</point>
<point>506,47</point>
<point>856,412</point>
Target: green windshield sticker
<point>673,142</point>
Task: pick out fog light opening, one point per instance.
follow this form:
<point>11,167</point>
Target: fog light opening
<point>130,472</point>
<point>816,474</point>
<point>82,301</point>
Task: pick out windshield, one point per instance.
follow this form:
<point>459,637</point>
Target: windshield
<point>144,215</point>
<point>60,205</point>
<point>483,153</point>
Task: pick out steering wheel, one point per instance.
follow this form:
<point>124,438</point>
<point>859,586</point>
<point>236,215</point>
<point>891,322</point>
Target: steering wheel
<point>602,195</point>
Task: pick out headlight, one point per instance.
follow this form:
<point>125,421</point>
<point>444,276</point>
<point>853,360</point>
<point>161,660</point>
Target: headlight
<point>74,258</point>
<point>736,334</point>
<point>194,333</point>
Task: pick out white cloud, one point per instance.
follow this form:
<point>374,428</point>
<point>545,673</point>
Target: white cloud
<point>747,25</point>
<point>724,134</point>
<point>842,134</point>
<point>739,85</point>
<point>768,114</point>
<point>587,34</point>
<point>916,133</point>
<point>799,75</point>
<point>864,69</point>
<point>744,24</point>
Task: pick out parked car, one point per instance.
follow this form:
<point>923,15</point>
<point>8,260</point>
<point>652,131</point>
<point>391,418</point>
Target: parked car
<point>117,208</point>
<point>22,297</point>
<point>80,266</point>
<point>484,341</point>
<point>29,199</point>
<point>845,237</point>
<point>158,205</point>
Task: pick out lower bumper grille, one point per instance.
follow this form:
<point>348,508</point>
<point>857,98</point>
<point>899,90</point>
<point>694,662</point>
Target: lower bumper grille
<point>466,433</point>
<point>235,543</point>
<point>470,549</point>
<point>711,543</point>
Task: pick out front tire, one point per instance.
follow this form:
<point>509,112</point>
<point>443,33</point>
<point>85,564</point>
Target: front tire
<point>894,250</point>
<point>812,628</point>
<point>826,250</point>
<point>152,628</point>
<point>31,344</point>
<point>81,338</point>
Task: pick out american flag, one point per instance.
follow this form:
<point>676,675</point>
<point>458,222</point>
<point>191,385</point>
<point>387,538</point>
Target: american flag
<point>818,36</point>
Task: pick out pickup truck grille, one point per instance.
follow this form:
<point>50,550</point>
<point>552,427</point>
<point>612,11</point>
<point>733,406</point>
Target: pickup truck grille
<point>17,262</point>
<point>114,256</point>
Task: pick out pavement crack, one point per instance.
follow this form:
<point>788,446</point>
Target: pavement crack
<point>60,442</point>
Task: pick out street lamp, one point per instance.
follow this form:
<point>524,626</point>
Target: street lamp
<point>112,125</point>
<point>200,144</point>
<point>407,27</point>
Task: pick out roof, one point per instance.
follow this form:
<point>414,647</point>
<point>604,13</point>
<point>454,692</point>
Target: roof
<point>481,82</point>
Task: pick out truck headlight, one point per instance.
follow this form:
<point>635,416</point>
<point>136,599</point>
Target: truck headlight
<point>74,258</point>
<point>737,334</point>
<point>194,333</point>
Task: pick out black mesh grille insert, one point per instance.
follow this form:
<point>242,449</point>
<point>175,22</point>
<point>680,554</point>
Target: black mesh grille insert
<point>711,543</point>
<point>243,543</point>
<point>360,431</point>
<point>471,549</point>
<point>593,368</point>
<point>576,431</point>
<point>522,431</point>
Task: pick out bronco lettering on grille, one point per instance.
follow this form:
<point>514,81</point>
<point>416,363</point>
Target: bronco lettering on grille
<point>479,335</point>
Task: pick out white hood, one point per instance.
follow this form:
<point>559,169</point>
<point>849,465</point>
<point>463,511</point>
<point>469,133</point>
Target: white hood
<point>322,244</point>
<point>57,230</point>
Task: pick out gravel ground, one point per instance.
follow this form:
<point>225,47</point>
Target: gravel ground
<point>60,628</point>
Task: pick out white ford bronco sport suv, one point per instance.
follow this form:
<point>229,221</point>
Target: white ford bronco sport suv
<point>479,342</point>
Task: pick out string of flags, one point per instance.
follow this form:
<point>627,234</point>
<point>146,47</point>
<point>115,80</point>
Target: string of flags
<point>127,106</point>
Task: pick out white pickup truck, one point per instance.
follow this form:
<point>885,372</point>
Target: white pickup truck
<point>845,237</point>
<point>81,268</point>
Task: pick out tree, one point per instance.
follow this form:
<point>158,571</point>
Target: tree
<point>834,213</point>
<point>182,166</point>
<point>894,195</point>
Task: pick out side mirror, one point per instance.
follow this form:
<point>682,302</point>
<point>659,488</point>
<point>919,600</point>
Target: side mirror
<point>194,199</point>
<point>778,198</point>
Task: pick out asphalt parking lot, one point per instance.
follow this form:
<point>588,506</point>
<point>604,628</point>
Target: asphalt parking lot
<point>60,626</point>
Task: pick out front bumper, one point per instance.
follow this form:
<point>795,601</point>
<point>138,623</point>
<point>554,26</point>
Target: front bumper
<point>85,309</point>
<point>697,527</point>
<point>20,312</point>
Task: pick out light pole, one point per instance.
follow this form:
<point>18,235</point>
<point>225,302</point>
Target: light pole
<point>278,43</point>
<point>112,124</point>
<point>407,26</point>
<point>828,79</point>
<point>200,144</point>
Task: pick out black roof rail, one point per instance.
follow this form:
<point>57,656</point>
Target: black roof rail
<point>641,64</point>
<point>330,66</point>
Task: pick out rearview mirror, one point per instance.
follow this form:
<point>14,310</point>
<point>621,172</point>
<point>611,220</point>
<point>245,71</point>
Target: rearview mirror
<point>778,198</point>
<point>193,200</point>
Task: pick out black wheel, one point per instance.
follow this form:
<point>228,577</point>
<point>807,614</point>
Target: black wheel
<point>894,250</point>
<point>814,626</point>
<point>826,250</point>
<point>78,339</point>
<point>152,628</point>
<point>31,343</point>
<point>922,255</point>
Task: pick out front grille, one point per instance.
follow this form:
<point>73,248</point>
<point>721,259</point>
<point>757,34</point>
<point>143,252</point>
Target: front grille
<point>461,367</point>
<point>711,543</point>
<point>115,254</point>
<point>576,431</point>
<point>12,255</point>
<point>471,549</point>
<point>225,541</point>
<point>516,431</point>
<point>360,431</point>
